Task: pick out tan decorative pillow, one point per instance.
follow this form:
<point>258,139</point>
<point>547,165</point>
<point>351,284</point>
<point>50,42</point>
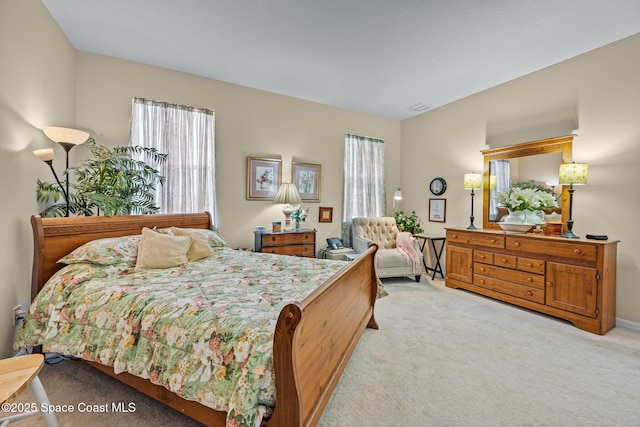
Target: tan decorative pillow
<point>200,247</point>
<point>161,250</point>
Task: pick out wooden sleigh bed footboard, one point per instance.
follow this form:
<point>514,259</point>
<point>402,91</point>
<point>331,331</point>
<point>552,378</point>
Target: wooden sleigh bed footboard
<point>314,338</point>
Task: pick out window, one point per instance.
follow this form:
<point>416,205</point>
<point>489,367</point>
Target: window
<point>187,135</point>
<point>364,188</point>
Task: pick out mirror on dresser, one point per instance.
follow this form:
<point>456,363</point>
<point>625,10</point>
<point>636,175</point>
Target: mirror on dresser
<point>537,161</point>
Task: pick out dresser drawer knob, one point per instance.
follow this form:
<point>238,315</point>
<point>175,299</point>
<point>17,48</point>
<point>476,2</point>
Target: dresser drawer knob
<point>503,260</point>
<point>529,264</point>
<point>549,284</point>
<point>482,281</point>
<point>481,256</point>
<point>529,293</point>
<point>493,240</point>
<point>482,269</point>
<point>273,239</point>
<point>576,251</point>
<point>516,244</point>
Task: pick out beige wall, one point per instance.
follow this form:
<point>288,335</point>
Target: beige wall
<point>37,85</point>
<point>595,94</point>
<point>249,122</point>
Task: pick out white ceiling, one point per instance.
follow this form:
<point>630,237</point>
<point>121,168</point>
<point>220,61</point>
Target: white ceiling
<point>374,56</point>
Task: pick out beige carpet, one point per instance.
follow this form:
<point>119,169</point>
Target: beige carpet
<point>442,357</point>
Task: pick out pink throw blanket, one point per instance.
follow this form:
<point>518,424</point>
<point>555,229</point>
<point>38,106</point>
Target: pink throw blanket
<point>404,243</point>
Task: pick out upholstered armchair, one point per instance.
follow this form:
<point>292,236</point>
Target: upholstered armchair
<point>390,261</point>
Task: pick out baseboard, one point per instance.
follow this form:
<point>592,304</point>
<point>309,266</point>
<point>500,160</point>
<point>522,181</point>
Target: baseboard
<point>627,324</point>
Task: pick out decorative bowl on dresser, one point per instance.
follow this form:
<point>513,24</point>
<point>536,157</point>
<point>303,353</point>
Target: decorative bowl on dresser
<point>572,279</point>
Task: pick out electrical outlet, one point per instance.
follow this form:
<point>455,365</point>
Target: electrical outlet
<point>17,312</point>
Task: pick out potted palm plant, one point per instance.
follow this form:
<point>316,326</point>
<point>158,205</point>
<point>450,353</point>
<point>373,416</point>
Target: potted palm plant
<point>109,183</point>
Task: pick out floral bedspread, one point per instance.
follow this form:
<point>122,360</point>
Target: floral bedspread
<point>204,331</point>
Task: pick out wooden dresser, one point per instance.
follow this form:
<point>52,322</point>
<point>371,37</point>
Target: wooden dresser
<point>300,242</point>
<point>573,279</point>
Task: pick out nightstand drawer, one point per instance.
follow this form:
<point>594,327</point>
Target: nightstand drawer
<point>297,250</point>
<point>287,238</point>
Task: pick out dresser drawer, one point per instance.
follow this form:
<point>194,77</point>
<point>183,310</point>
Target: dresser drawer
<point>509,288</point>
<point>508,261</point>
<point>287,239</point>
<point>513,276</point>
<point>531,265</point>
<point>297,250</point>
<point>570,250</point>
<point>479,239</point>
<point>483,257</point>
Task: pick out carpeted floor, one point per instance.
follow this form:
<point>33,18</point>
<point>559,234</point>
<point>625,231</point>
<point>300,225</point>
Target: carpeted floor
<point>441,357</point>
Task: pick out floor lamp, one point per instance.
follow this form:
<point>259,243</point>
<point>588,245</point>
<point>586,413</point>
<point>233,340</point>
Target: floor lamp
<point>472,181</point>
<point>572,174</point>
<point>67,138</point>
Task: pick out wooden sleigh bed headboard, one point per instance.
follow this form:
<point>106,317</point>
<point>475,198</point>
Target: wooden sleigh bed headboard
<point>314,338</point>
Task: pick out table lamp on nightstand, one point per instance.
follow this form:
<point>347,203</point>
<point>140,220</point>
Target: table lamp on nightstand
<point>288,194</point>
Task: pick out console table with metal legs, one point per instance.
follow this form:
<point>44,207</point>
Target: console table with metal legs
<point>437,252</point>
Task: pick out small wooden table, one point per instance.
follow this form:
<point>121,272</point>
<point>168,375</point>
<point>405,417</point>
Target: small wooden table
<point>436,251</point>
<point>16,374</point>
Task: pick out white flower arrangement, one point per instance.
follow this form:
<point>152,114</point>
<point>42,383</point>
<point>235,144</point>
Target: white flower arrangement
<point>525,199</point>
<point>299,215</point>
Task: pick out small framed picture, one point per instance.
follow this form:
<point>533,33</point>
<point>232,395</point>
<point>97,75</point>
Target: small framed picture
<point>437,210</point>
<point>326,215</point>
<point>263,178</point>
<point>306,176</point>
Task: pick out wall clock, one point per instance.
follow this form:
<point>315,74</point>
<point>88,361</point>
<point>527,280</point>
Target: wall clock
<point>438,186</point>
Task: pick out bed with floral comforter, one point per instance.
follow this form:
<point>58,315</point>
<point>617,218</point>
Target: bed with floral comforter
<point>203,330</point>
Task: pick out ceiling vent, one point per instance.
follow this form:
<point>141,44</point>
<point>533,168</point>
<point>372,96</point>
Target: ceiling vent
<point>419,107</point>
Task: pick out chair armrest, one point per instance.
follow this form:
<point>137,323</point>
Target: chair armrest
<point>360,244</point>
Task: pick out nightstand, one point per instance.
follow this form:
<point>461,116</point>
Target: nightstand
<point>300,242</point>
<point>337,254</point>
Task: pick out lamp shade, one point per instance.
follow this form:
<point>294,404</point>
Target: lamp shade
<point>472,181</point>
<point>288,193</point>
<point>397,195</point>
<point>70,136</point>
<point>573,174</point>
<point>46,154</point>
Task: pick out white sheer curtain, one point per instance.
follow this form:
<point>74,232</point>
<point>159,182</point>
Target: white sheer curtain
<point>364,188</point>
<point>187,135</point>
<point>502,171</point>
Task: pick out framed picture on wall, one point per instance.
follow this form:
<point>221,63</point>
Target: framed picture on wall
<point>326,215</point>
<point>306,177</point>
<point>437,210</point>
<point>263,178</point>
